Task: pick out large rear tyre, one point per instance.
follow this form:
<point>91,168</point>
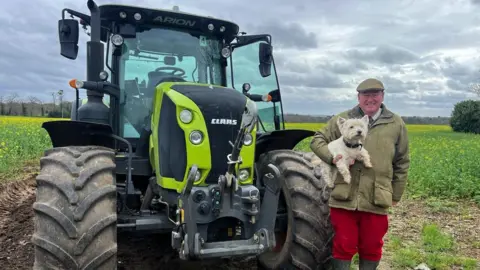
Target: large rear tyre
<point>75,209</point>
<point>305,241</point>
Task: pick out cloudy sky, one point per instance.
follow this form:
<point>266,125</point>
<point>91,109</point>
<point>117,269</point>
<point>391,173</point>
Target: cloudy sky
<point>426,52</point>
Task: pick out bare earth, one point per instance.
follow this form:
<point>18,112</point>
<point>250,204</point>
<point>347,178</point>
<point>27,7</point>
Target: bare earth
<point>16,226</point>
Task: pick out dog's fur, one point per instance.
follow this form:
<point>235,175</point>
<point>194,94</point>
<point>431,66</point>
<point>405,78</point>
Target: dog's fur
<point>354,132</point>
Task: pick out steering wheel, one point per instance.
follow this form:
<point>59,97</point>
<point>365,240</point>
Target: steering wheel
<point>175,69</point>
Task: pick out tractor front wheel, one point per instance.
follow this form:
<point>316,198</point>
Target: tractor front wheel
<point>305,241</point>
<point>75,209</point>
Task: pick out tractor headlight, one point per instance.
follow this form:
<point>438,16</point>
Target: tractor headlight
<point>117,40</point>
<point>248,139</point>
<point>226,52</point>
<point>243,174</point>
<point>186,116</point>
<point>196,137</point>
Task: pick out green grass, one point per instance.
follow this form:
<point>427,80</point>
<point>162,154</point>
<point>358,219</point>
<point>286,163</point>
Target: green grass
<point>444,164</point>
<point>435,248</point>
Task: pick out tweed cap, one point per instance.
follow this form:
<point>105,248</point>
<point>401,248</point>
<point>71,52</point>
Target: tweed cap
<point>370,84</point>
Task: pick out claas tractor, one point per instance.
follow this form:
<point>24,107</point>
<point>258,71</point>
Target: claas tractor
<point>191,142</point>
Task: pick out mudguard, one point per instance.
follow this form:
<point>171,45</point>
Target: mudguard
<point>280,139</point>
<point>79,133</point>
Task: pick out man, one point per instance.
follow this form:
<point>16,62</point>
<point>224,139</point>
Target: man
<point>358,210</point>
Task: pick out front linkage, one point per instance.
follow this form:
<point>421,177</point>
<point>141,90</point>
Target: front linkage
<point>199,207</point>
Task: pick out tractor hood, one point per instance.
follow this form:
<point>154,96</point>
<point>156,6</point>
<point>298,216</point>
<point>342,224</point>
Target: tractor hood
<point>220,106</point>
<point>221,109</point>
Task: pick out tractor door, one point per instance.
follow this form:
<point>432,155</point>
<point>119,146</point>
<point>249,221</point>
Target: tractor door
<point>245,67</point>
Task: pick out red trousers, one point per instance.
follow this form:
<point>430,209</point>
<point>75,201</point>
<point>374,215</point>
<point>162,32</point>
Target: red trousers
<point>357,231</point>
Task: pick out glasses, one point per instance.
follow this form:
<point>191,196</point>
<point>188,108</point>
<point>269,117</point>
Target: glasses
<point>374,94</point>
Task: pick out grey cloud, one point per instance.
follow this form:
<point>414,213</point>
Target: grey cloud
<point>384,54</point>
<point>404,50</point>
<point>318,79</point>
<point>394,85</point>
<point>345,67</point>
<point>456,85</point>
<point>288,34</point>
<point>429,68</point>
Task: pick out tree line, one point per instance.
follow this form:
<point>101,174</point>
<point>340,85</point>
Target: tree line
<point>14,105</point>
<point>465,116</point>
<point>411,120</point>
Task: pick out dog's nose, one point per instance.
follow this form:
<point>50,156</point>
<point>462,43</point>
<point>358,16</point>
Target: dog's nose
<point>359,132</point>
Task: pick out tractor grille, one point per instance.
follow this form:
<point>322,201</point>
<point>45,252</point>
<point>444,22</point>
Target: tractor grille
<point>171,142</point>
<point>217,103</point>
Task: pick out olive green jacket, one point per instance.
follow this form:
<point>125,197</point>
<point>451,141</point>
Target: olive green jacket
<point>371,189</point>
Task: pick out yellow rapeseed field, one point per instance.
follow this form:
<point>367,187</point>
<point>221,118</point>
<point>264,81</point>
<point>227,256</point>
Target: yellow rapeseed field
<point>444,163</point>
<point>21,139</point>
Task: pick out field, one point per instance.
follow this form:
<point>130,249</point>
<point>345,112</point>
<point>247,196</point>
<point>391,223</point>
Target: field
<point>436,223</point>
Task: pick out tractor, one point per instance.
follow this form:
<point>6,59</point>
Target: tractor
<point>191,143</point>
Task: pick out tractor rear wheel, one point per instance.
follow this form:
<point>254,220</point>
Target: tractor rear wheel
<point>305,241</point>
<point>75,209</point>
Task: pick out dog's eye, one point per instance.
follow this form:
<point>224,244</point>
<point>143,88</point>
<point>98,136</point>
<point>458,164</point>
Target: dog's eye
<point>351,126</point>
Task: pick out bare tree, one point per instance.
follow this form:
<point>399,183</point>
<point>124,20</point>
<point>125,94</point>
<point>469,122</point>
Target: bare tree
<point>10,100</point>
<point>475,88</point>
<point>23,106</point>
<point>33,101</point>
<point>2,112</point>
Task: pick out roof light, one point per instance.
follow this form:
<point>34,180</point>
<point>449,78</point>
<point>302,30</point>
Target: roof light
<point>226,52</point>
<point>137,16</point>
<point>117,40</point>
<point>211,27</point>
<point>123,15</point>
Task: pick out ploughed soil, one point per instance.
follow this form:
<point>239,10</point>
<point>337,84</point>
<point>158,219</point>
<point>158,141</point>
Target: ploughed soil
<point>153,252</point>
<point>134,252</point>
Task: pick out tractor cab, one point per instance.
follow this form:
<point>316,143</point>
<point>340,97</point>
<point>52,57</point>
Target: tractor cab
<point>148,47</point>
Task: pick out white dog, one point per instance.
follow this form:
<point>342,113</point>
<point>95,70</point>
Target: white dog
<point>349,146</point>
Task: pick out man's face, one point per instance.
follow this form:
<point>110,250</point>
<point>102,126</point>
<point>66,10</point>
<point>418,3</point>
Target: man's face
<point>370,101</point>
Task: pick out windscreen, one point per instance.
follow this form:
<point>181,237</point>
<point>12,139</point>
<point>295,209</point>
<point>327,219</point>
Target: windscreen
<point>161,55</point>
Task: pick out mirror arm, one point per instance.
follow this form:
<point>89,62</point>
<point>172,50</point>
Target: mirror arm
<point>246,40</point>
<point>77,14</point>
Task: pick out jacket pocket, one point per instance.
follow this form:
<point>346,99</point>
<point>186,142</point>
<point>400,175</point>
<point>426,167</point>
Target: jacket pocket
<point>342,192</point>
<point>382,196</point>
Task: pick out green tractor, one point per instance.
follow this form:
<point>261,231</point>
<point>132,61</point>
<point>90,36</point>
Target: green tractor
<point>191,143</point>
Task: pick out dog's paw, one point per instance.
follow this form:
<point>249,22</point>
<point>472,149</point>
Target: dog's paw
<point>347,179</point>
<point>368,165</point>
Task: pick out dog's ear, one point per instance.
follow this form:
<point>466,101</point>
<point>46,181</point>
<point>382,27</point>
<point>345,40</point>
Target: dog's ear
<point>366,119</point>
<point>340,121</point>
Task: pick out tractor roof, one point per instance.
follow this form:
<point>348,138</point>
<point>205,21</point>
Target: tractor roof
<point>169,18</point>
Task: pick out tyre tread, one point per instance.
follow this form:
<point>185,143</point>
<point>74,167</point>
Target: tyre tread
<point>311,242</point>
<point>75,203</point>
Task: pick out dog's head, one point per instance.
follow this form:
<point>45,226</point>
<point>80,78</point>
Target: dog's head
<point>353,129</point>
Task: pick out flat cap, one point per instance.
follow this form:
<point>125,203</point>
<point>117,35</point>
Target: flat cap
<point>370,84</point>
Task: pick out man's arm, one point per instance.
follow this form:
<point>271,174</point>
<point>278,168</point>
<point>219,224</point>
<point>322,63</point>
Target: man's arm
<point>401,164</point>
<point>321,139</point>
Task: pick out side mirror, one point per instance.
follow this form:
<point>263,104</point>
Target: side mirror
<point>265,59</point>
<point>68,37</point>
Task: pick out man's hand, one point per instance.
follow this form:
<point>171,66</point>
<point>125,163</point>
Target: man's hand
<point>338,157</point>
<point>394,203</point>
